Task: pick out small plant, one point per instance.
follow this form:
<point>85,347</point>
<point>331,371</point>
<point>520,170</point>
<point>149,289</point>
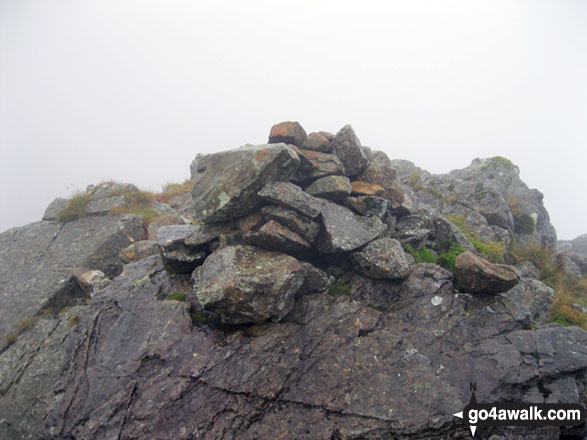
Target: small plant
<point>524,224</point>
<point>481,195</point>
<point>447,259</point>
<point>10,338</point>
<point>451,198</point>
<point>339,289</point>
<point>415,180</point>
<point>73,321</point>
<point>493,251</point>
<point>75,208</point>
<point>200,318</point>
<point>423,255</point>
<point>498,161</point>
<point>177,296</point>
<point>26,324</point>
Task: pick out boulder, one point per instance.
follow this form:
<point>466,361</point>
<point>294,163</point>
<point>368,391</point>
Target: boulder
<point>344,231</point>
<point>317,142</point>
<point>289,133</point>
<point>367,205</point>
<point>226,184</point>
<point>347,147</point>
<point>366,189</point>
<point>383,258</point>
<point>250,222</point>
<point>293,197</point>
<point>381,172</point>
<point>178,256</point>
<point>168,220</point>
<point>330,187</point>
<point>314,165</point>
<point>105,205</point>
<point>246,284</point>
<point>90,281</point>
<point>413,230</point>
<point>139,250</point>
<point>274,236</point>
<point>477,275</point>
<point>580,245</point>
<point>300,224</point>
<point>54,208</point>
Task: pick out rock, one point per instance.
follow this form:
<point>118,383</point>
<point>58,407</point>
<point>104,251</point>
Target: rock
<point>250,222</point>
<point>367,205</point>
<point>109,189</point>
<point>226,184</point>
<point>382,258</point>
<point>413,230</point>
<point>189,380</point>
<point>105,205</point>
<point>344,231</point>
<point>347,147</point>
<point>366,189</point>
<point>314,165</point>
<point>90,281</point>
<point>317,142</point>
<point>293,197</point>
<point>447,233</point>
<point>163,208</point>
<point>381,172</point>
<point>54,208</point>
<point>139,250</point>
<point>245,284</point>
<point>330,187</point>
<point>168,220</point>
<point>201,234</point>
<point>298,223</point>
<point>580,245</point>
<point>178,256</point>
<point>274,236</point>
<point>527,269</point>
<point>477,275</point>
<point>289,133</point>
<point>572,263</point>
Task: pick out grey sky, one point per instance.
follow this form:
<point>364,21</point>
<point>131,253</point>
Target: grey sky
<point>132,89</point>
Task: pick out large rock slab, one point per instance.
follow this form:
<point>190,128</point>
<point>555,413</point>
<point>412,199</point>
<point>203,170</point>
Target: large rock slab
<point>477,275</point>
<point>324,373</point>
<point>347,147</point>
<point>274,236</point>
<point>330,187</point>
<point>226,184</point>
<point>300,224</point>
<point>345,231</point>
<point>178,255</point>
<point>246,284</point>
<point>314,165</point>
<point>382,258</point>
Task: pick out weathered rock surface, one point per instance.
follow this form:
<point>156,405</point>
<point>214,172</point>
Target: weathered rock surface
<point>54,208</point>
<point>325,373</point>
<point>227,183</point>
<point>289,133</point>
<point>245,284</point>
<point>330,187</point>
<point>293,197</point>
<point>367,205</point>
<point>177,254</point>
<point>274,236</point>
<point>167,220</point>
<point>314,165</point>
<point>344,231</point>
<point>347,147</point>
<point>382,258</point>
<point>477,275</point>
<point>139,250</point>
<point>318,142</point>
<point>360,188</point>
<point>300,224</point>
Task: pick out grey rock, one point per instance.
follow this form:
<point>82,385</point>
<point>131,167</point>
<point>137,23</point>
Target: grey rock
<point>293,197</point>
<point>245,284</point>
<point>54,208</point>
<point>300,224</point>
<point>104,205</point>
<point>90,281</point>
<point>347,147</point>
<point>413,230</point>
<point>381,172</point>
<point>202,234</point>
<point>109,189</point>
<point>167,220</point>
<point>138,250</point>
<point>367,205</point>
<point>274,236</point>
<point>227,183</point>
<point>477,275</point>
<point>383,258</point>
<point>179,257</point>
<point>314,165</point>
<point>580,245</point>
<point>330,187</point>
<point>318,142</point>
<point>163,208</point>
<point>344,231</point>
<point>527,269</point>
<point>447,233</point>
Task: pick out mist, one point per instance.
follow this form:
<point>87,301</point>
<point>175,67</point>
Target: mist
<point>133,90</point>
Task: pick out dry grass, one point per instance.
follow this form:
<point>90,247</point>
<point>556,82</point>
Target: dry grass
<point>171,189</point>
<point>569,290</point>
<point>22,326</point>
<point>415,180</point>
<point>76,207</point>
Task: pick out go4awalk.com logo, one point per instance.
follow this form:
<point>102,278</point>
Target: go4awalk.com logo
<point>520,414</point>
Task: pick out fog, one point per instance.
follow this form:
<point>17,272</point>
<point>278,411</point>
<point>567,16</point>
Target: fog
<point>133,90</point>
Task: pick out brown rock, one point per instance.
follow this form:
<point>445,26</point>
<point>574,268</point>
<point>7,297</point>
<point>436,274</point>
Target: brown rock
<point>330,187</point>
<point>276,237</point>
<point>314,165</point>
<point>477,275</point>
<point>298,223</point>
<point>347,147</point>
<point>360,188</point>
<point>380,172</point>
<point>250,222</point>
<point>293,197</point>
<point>288,132</point>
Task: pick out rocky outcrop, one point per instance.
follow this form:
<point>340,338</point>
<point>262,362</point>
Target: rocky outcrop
<point>292,304</point>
